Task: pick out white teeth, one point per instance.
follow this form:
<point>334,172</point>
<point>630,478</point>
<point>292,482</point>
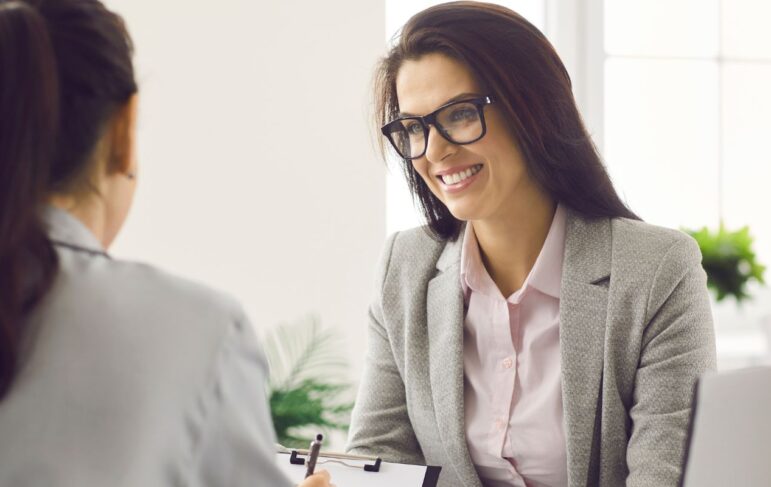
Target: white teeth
<point>457,177</point>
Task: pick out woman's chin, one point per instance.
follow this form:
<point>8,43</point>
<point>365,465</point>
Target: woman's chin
<point>463,213</point>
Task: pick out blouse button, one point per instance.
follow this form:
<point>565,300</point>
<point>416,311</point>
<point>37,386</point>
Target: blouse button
<point>508,363</point>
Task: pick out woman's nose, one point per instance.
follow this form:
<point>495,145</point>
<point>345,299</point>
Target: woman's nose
<point>437,147</point>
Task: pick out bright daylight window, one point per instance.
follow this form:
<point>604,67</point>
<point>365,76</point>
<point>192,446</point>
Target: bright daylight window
<point>686,127</point>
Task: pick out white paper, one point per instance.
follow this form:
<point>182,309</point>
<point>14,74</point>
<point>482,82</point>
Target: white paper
<point>390,474</point>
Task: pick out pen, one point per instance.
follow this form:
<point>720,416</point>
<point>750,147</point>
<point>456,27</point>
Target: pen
<point>315,448</point>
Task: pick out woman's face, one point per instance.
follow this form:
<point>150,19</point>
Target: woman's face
<point>498,180</point>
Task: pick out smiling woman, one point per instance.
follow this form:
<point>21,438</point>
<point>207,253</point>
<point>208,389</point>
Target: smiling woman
<point>483,179</point>
<point>535,332</point>
<point>531,96</point>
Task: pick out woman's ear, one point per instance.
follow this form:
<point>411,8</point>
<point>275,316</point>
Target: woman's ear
<point>122,136</point>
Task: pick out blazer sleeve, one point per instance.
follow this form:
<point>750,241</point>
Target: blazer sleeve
<point>678,346</point>
<point>237,443</point>
<point>380,425</point>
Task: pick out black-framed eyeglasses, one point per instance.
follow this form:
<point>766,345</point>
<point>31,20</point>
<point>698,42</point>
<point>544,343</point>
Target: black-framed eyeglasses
<point>460,122</point>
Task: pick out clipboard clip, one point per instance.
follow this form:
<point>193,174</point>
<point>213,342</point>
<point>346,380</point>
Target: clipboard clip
<point>295,459</point>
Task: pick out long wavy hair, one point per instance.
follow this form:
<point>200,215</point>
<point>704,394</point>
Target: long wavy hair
<point>520,69</point>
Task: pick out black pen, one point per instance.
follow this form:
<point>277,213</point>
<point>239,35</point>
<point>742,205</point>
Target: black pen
<point>315,449</point>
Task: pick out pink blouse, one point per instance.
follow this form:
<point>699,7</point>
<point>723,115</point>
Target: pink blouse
<point>511,360</point>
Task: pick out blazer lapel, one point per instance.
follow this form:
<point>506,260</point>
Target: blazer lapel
<point>583,310</point>
<point>444,309</point>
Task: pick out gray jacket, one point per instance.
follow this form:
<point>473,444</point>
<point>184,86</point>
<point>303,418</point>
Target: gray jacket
<point>635,333</point>
<point>133,377</point>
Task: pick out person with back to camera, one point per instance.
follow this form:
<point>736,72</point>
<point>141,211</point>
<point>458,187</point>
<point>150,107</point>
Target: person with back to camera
<point>111,373</point>
<point>538,334</point>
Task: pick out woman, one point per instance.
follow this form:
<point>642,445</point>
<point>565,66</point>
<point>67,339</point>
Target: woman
<point>544,336</point>
<point>111,372</point>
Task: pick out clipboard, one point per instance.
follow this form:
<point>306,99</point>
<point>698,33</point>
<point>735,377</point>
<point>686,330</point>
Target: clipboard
<point>357,470</point>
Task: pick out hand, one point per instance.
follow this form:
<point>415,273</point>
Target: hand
<point>318,479</point>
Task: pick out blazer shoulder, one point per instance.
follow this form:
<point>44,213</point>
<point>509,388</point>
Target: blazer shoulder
<point>182,291</point>
<point>134,287</point>
<point>652,258</point>
<point>410,254</point>
<point>639,241</point>
<point>417,240</point>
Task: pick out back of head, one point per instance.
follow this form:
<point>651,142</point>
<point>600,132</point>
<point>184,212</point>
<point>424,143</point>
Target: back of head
<point>521,71</point>
<point>65,68</point>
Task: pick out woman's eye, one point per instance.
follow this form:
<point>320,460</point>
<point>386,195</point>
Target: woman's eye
<point>463,114</point>
<point>414,128</point>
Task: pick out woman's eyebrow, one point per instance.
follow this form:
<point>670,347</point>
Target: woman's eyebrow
<point>449,100</point>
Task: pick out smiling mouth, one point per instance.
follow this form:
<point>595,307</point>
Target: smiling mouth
<point>460,176</point>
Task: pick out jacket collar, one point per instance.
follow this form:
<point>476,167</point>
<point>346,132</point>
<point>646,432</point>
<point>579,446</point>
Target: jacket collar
<point>545,276</point>
<point>450,256</point>
<point>583,310</point>
<point>587,249</point>
<point>67,231</point>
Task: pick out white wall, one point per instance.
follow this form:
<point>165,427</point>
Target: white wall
<point>258,173</point>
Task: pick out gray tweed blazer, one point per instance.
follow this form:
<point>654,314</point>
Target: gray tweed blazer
<point>635,333</point>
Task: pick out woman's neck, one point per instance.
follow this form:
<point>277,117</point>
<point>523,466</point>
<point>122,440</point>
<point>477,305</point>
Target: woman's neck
<point>90,211</point>
<point>510,244</point>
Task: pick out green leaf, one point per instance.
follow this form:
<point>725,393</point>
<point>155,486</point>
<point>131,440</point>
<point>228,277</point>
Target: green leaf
<point>729,261</point>
<point>305,390</point>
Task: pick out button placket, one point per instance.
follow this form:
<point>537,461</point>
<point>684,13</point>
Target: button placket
<point>506,362</point>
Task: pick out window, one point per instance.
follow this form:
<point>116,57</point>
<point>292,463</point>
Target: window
<point>686,103</point>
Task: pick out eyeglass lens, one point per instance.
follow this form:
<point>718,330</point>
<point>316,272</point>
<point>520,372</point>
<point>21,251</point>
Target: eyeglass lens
<point>459,123</point>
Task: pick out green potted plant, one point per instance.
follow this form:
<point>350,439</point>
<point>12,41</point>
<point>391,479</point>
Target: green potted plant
<point>307,386</point>
<point>729,261</point>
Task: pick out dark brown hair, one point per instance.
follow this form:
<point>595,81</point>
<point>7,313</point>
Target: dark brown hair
<point>65,69</point>
<point>520,69</point>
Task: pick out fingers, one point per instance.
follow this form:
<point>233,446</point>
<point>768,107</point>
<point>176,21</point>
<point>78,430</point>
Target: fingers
<point>324,474</point>
<point>318,479</point>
